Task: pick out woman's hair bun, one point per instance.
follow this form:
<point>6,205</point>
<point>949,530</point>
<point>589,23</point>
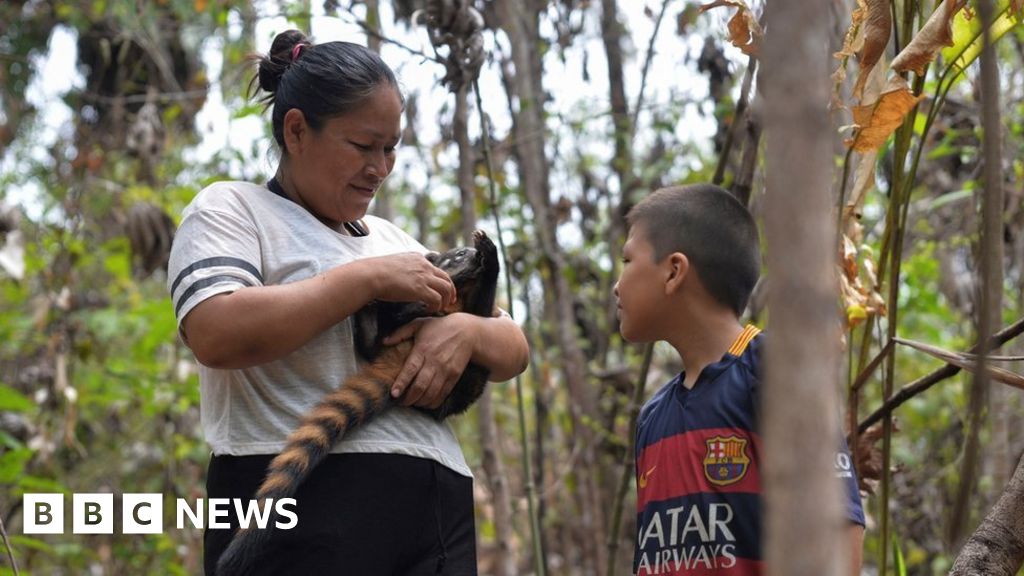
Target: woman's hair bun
<point>273,65</point>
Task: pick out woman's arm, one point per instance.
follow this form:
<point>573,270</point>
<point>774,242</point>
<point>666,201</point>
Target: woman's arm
<point>444,346</point>
<point>256,325</point>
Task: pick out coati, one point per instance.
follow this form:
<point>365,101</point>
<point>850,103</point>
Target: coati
<point>474,271</point>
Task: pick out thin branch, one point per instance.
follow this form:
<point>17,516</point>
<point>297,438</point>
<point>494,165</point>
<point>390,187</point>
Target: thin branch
<point>531,496</point>
<point>376,34</point>
<point>647,67</point>
<point>7,544</point>
<point>862,378</point>
<point>620,493</point>
<point>741,108</point>
<point>991,248</point>
<point>925,382</point>
<point>142,98</point>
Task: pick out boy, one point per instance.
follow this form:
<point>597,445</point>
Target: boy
<point>689,265</point>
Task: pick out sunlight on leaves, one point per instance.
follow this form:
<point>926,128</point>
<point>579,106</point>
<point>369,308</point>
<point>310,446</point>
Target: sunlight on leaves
<point>967,40</point>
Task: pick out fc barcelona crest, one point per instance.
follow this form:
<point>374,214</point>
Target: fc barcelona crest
<point>726,460</point>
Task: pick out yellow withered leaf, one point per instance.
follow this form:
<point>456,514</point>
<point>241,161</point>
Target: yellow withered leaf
<point>857,281</point>
<point>875,122</point>
<point>877,27</point>
<point>936,33</point>
<point>744,31</point>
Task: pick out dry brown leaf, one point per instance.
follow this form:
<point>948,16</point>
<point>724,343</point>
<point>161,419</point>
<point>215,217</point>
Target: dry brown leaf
<point>877,28</point>
<point>863,182</point>
<point>966,361</point>
<point>869,457</point>
<point>875,122</point>
<point>936,33</point>
<point>744,31</point>
<point>854,39</point>
<point>864,175</point>
<point>851,43</point>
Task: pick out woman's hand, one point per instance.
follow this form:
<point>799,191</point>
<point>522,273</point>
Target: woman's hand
<point>410,277</point>
<point>442,350</point>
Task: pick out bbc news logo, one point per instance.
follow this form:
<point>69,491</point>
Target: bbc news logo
<point>94,513</point>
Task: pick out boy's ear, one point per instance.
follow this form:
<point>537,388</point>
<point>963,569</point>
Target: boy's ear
<point>295,129</point>
<point>678,268</point>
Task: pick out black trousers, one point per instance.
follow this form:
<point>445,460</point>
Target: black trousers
<point>358,514</point>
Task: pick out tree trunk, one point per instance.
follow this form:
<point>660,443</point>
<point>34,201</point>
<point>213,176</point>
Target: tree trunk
<point>799,399</point>
<point>382,203</point>
<point>991,270</point>
<point>997,546</point>
<point>521,22</point>
<point>622,163</point>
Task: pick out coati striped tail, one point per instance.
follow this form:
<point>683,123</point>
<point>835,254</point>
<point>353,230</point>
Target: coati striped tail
<point>359,398</point>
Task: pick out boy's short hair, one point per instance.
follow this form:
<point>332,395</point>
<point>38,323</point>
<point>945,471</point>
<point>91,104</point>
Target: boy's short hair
<point>715,232</point>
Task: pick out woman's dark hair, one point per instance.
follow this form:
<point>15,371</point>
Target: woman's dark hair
<point>321,80</point>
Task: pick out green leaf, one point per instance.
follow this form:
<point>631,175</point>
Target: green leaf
<point>13,401</point>
<point>12,464</point>
<point>40,484</point>
<point>897,554</point>
<point>31,543</point>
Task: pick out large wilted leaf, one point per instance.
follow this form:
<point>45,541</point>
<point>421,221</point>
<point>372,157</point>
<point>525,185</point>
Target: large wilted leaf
<point>967,362</point>
<point>876,27</point>
<point>744,31</point>
<point>936,33</point>
<point>875,122</point>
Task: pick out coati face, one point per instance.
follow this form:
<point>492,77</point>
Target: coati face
<point>474,271</point>
<point>457,263</point>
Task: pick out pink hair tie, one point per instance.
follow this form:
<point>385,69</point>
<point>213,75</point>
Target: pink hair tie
<point>295,51</point>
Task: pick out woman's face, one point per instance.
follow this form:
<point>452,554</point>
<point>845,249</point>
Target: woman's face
<point>337,170</point>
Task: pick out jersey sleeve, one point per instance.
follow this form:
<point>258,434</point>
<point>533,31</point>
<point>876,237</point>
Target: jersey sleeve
<point>214,252</point>
<point>848,476</point>
<point>843,462</point>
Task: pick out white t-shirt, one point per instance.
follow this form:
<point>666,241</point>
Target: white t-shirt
<point>237,234</point>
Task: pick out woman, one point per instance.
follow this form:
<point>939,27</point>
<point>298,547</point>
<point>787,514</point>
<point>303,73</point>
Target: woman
<point>264,280</point>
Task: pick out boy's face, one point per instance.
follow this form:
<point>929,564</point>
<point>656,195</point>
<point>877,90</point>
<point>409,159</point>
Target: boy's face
<point>640,291</point>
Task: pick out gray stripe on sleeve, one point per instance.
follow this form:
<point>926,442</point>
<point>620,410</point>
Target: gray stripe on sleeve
<point>200,284</point>
<point>216,261</point>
